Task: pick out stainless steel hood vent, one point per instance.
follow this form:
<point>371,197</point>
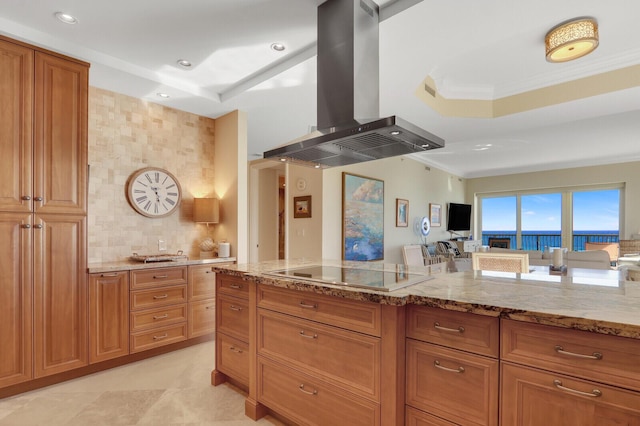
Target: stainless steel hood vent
<point>348,81</point>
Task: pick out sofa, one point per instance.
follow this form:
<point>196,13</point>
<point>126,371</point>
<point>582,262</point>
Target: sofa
<point>590,259</point>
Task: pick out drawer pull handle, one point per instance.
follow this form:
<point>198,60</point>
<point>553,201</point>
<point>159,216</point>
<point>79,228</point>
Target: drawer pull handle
<point>164,296</point>
<point>436,364</point>
<point>593,394</point>
<point>235,308</point>
<point>437,326</point>
<point>235,286</point>
<point>109,275</point>
<point>234,349</point>
<point>157,317</point>
<point>308,306</point>
<point>210,307</point>
<point>157,277</point>
<point>308,336</point>
<point>302,389</point>
<point>596,355</point>
<point>160,337</point>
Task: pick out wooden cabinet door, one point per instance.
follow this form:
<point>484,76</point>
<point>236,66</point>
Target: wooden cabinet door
<point>532,397</point>
<point>15,298</point>
<point>60,140</point>
<point>108,315</point>
<point>202,282</point>
<point>60,293</point>
<point>16,122</point>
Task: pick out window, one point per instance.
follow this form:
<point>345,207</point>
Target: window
<point>536,220</point>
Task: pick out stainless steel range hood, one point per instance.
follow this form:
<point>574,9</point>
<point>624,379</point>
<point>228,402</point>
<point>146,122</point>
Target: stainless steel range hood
<point>348,95</point>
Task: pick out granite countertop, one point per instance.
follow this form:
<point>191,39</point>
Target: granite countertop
<point>129,265</point>
<point>593,300</point>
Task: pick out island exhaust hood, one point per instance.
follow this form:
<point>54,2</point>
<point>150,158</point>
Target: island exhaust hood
<point>348,96</point>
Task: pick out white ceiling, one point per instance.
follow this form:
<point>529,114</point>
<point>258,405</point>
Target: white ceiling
<point>472,50</point>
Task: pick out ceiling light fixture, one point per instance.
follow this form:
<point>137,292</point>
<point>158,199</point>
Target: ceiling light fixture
<point>571,40</point>
<point>184,63</point>
<point>278,47</point>
<point>162,95</point>
<point>66,18</point>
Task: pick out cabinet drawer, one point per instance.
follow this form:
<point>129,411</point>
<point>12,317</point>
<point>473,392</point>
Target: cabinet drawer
<point>232,316</point>
<point>202,282</point>
<point>310,401</point>
<point>610,359</point>
<point>353,315</point>
<point>469,332</point>
<point>232,286</point>
<point>145,278</point>
<point>343,357</point>
<point>536,397</point>
<point>202,317</point>
<point>232,357</point>
<point>415,417</point>
<point>455,385</point>
<point>143,320</point>
<point>152,298</point>
<point>144,340</point>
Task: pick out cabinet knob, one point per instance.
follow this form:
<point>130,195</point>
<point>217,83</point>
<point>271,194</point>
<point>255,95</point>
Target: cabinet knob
<point>38,226</point>
<point>26,226</point>
<point>37,198</point>
<point>26,197</point>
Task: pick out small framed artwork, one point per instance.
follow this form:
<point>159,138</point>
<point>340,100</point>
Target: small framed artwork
<point>402,212</point>
<point>302,206</point>
<point>435,214</point>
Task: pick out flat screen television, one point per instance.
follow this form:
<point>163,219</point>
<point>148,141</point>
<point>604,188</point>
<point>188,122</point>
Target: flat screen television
<point>459,217</point>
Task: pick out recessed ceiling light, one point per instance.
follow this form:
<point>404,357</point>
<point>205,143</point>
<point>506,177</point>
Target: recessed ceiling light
<point>425,145</point>
<point>162,95</point>
<point>278,47</point>
<point>283,160</point>
<point>395,132</point>
<point>184,63</point>
<point>66,18</point>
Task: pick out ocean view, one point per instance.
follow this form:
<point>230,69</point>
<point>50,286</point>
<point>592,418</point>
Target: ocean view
<point>538,240</point>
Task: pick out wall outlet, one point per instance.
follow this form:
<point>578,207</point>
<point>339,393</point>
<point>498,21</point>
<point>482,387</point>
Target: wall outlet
<point>162,245</point>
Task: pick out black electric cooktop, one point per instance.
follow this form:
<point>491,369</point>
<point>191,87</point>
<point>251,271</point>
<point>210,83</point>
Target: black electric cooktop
<point>353,277</point>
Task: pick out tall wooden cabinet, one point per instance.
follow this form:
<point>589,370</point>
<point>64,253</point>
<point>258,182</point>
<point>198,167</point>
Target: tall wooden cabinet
<point>43,207</point>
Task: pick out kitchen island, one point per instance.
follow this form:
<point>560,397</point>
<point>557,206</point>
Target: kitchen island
<point>443,351</point>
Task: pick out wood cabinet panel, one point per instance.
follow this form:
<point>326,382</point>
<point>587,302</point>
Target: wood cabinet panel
<point>452,384</point>
<point>353,315</point>
<point>232,286</point>
<point>202,317</point>
<point>61,93</point>
<point>16,331</point>
<point>158,317</point>
<point>108,316</point>
<point>60,293</point>
<point>416,417</point>
<point>232,357</point>
<point>609,359</point>
<point>202,282</point>
<point>16,124</point>
<point>533,397</point>
<point>161,336</point>
<point>156,297</point>
<point>461,330</point>
<point>145,278</point>
<point>232,316</point>
<point>307,400</point>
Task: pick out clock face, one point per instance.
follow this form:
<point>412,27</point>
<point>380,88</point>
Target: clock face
<point>153,192</point>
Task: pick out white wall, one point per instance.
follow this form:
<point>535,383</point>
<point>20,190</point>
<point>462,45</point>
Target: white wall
<point>304,235</point>
<point>403,178</point>
<point>627,173</point>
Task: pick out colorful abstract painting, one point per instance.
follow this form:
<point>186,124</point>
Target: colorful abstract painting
<point>362,218</point>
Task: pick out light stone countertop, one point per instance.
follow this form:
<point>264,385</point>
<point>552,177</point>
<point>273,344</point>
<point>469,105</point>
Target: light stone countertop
<point>592,300</point>
<point>130,265</point>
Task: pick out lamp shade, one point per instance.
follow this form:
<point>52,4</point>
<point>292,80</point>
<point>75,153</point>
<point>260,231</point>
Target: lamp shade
<point>206,210</point>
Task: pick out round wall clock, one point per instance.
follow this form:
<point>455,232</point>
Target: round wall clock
<point>153,192</point>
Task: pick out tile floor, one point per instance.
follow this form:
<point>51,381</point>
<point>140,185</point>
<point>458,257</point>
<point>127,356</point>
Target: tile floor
<point>170,389</point>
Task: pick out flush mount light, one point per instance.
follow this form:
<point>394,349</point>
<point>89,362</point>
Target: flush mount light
<point>162,95</point>
<point>571,40</point>
<point>184,63</point>
<point>278,47</point>
<point>66,18</point>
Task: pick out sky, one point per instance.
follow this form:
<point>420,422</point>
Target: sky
<point>592,211</point>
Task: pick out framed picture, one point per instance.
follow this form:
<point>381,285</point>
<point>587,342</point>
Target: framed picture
<point>302,206</point>
<point>362,218</point>
<point>435,214</point>
<point>402,212</point>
